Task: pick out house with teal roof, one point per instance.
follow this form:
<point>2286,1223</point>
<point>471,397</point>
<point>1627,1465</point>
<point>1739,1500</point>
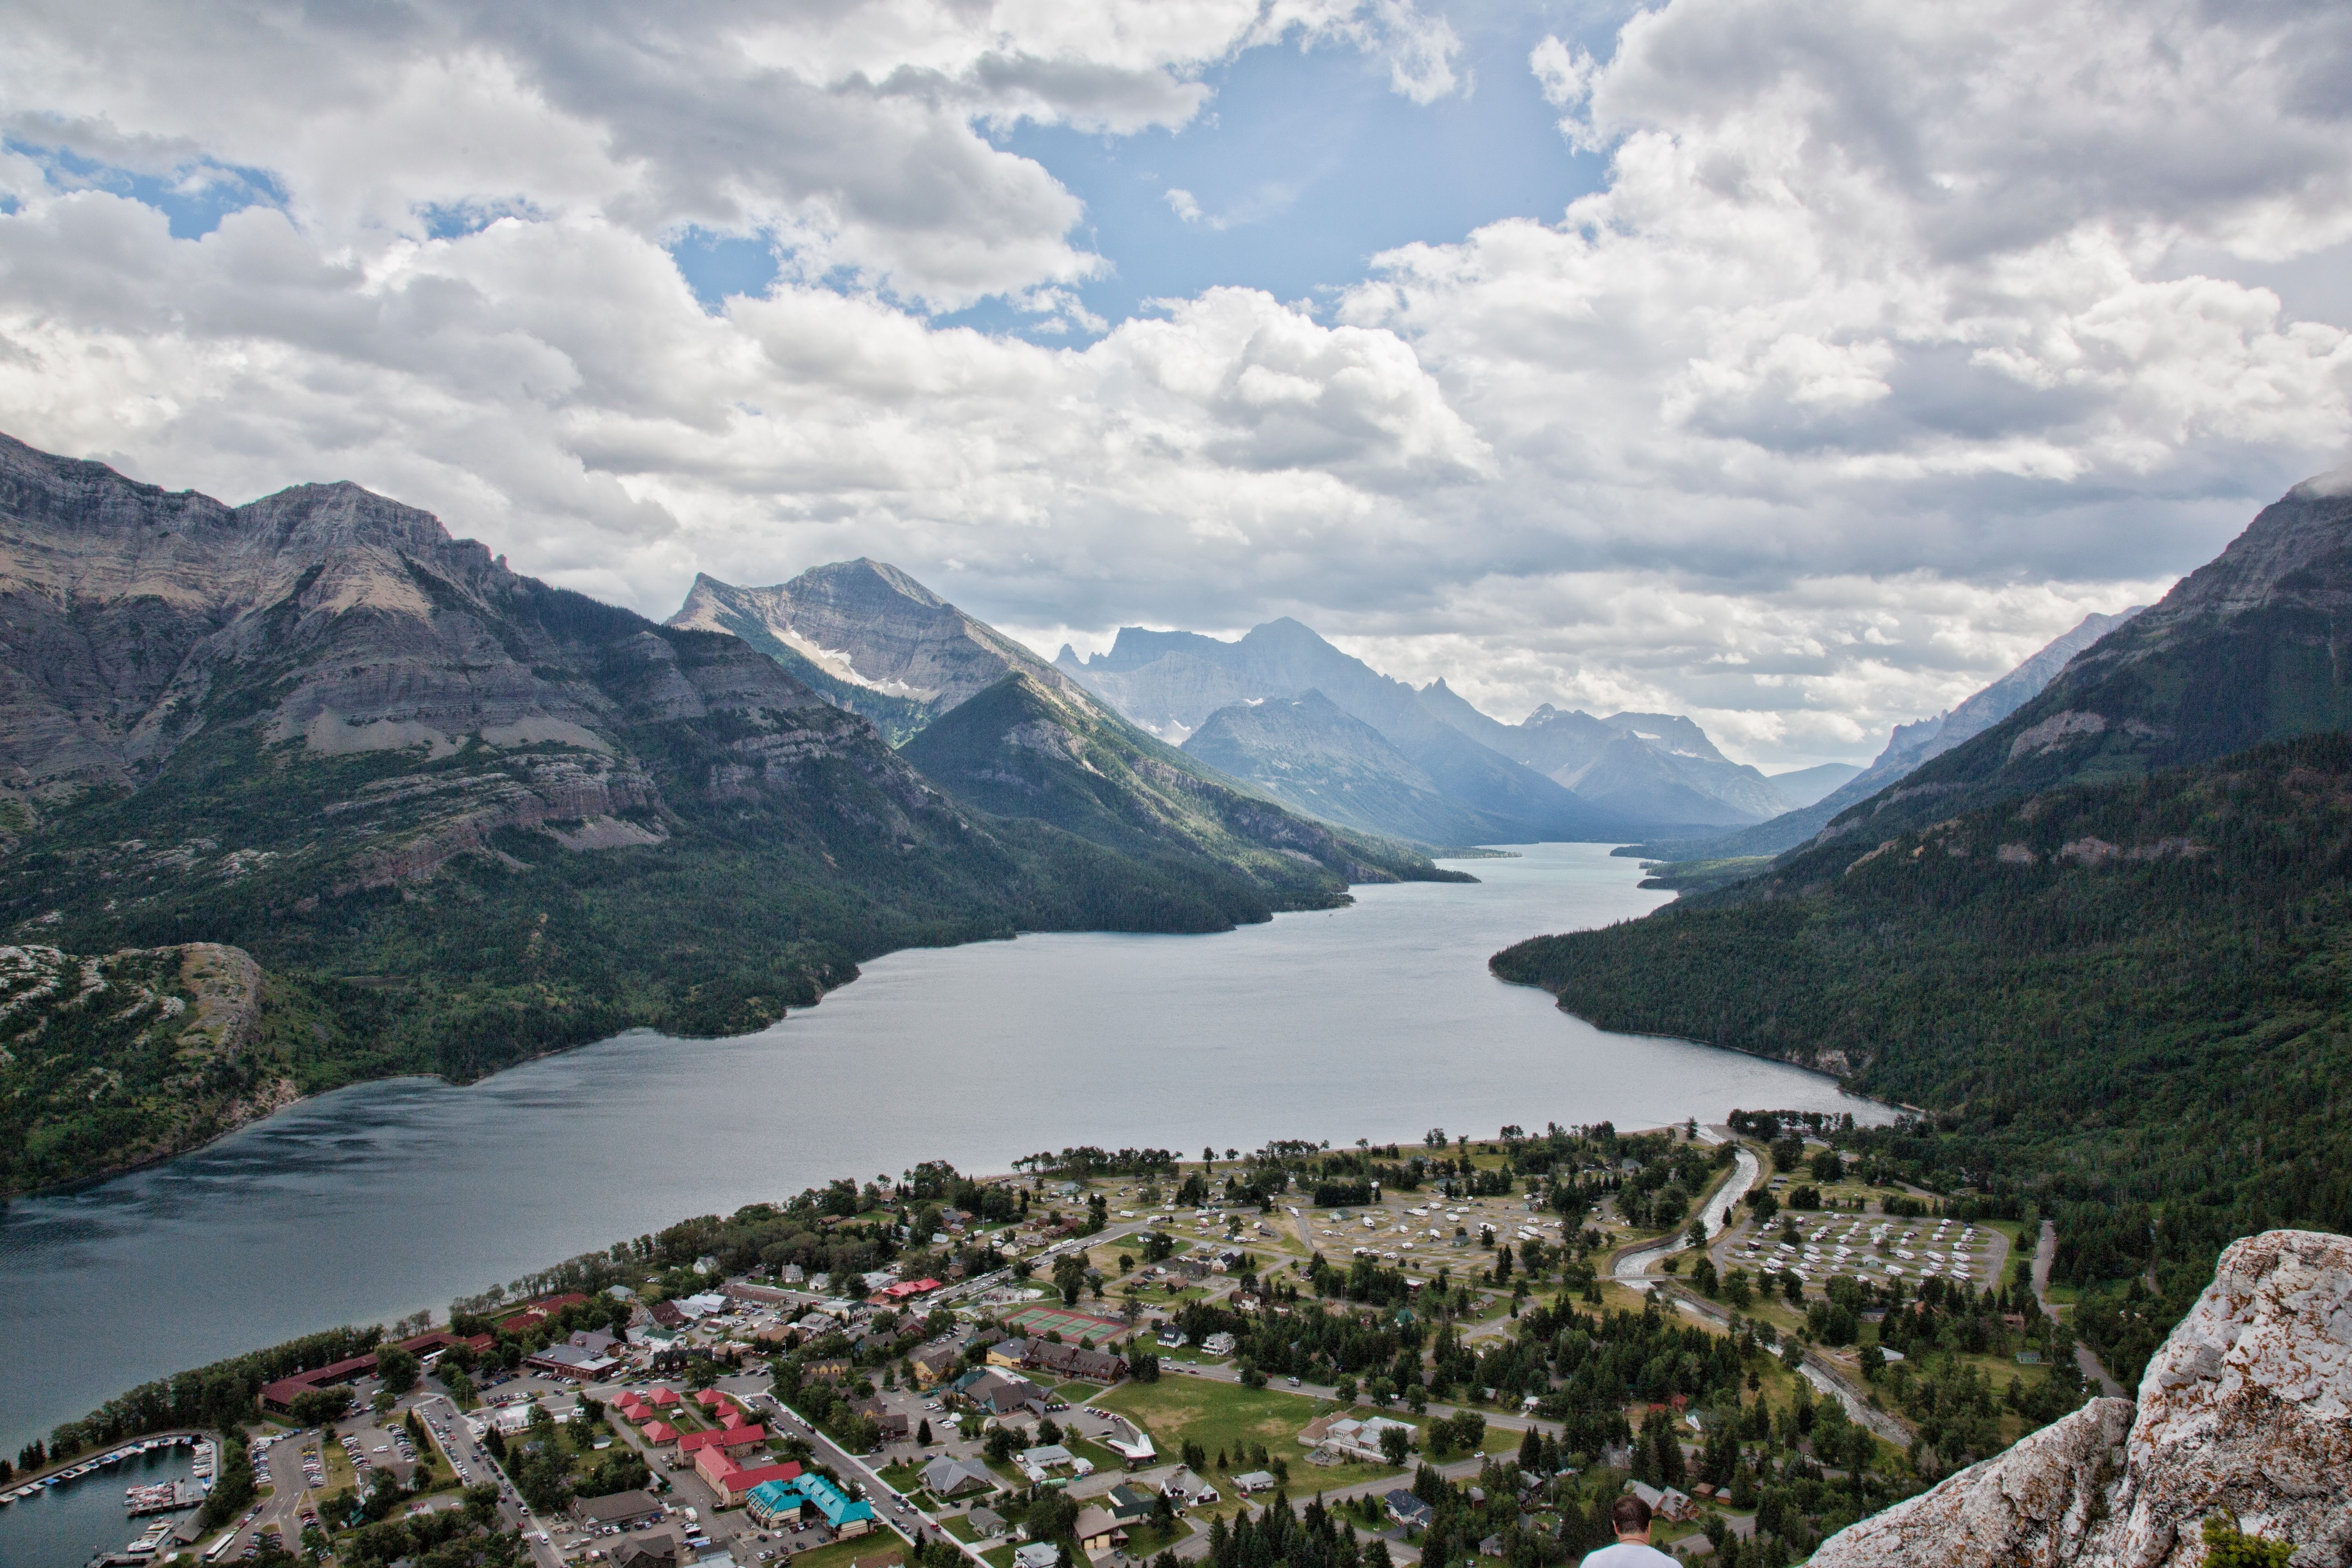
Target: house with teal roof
<point>843,1516</point>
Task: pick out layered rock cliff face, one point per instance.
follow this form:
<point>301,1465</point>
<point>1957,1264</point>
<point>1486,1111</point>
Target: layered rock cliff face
<point>326,622</point>
<point>872,639</point>
<point>2246,1410</point>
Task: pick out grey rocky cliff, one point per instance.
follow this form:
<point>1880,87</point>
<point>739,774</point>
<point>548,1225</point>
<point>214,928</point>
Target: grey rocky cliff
<point>2246,1408</point>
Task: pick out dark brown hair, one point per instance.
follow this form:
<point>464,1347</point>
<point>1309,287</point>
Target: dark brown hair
<point>1628,1515</point>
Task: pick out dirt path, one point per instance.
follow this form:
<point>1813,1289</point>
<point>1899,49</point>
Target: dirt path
<point>2044,1251</point>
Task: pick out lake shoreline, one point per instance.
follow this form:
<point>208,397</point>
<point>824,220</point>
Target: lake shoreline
<point>276,1104</point>
<point>369,1201</point>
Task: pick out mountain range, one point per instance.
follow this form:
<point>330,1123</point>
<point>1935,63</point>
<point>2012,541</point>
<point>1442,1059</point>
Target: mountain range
<point>1424,763</point>
<point>457,817</point>
<point>2101,940</point>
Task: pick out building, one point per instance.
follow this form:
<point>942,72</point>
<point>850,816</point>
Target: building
<point>935,1362</point>
<point>1037,1555</point>
<point>281,1395</point>
<point>1040,1461</point>
<point>986,1522</point>
<point>724,1438</point>
<point>1338,1439</point>
<point>1219,1343</point>
<point>843,1516</point>
<point>658,1551</point>
<point>1407,1509</point>
<point>948,1477</point>
<point>531,1314</point>
<point>1128,1502</point>
<point>774,1503</point>
<point>902,1291</point>
<point>1076,1361</point>
<point>1097,1531</point>
<point>999,1393</point>
<point>1254,1483</point>
<point>621,1509</point>
<point>733,1480</point>
<point>572,1363</point>
<point>1009,1352</point>
<point>1130,1442</point>
<point>1185,1488</point>
<point>1670,1505</point>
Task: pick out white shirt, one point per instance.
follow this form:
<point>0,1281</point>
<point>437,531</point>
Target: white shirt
<point>1626,1554</point>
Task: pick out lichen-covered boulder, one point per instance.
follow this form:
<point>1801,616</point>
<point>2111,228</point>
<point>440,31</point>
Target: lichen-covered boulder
<point>2031,1507</point>
<point>2247,1408</point>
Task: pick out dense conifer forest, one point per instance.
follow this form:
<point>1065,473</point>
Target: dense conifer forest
<point>2122,1007</point>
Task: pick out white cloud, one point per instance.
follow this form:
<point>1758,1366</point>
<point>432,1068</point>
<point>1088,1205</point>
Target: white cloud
<point>849,132</point>
<point>1897,338</point>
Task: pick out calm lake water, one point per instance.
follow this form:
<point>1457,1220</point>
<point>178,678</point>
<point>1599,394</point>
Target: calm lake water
<point>1379,1021</point>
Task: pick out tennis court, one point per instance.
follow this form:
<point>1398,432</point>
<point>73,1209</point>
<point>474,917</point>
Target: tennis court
<point>1037,1321</point>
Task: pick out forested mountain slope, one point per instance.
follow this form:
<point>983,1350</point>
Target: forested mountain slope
<point>1022,749</point>
<point>2128,1002</point>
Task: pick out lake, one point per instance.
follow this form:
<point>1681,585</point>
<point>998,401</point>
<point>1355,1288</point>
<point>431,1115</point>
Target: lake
<point>1379,1021</point>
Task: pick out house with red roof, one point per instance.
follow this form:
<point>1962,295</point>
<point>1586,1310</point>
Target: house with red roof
<point>661,1432</point>
<point>726,1437</point>
<point>902,1290</point>
<point>663,1396</point>
<point>733,1481</point>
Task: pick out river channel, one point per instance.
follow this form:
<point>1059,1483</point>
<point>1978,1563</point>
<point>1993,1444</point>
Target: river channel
<point>1378,1021</point>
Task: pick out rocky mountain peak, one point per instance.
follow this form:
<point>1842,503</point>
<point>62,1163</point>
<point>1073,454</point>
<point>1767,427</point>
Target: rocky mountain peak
<point>317,517</point>
<point>863,630</point>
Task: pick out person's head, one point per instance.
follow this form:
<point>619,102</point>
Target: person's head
<point>1629,1516</point>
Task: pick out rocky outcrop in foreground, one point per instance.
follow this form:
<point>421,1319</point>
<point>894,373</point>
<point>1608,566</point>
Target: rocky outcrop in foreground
<point>2247,1408</point>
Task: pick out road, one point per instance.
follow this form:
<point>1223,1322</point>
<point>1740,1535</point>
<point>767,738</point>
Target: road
<point>1746,1168</point>
<point>457,1440</point>
<point>2045,1251</point>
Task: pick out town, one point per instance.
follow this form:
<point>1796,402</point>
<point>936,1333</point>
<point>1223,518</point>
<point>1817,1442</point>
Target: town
<point>1404,1354</point>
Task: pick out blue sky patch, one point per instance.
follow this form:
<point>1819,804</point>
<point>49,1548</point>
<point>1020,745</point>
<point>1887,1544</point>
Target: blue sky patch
<point>1307,164</point>
<point>454,220</point>
<point>193,197</point>
<point>718,266</point>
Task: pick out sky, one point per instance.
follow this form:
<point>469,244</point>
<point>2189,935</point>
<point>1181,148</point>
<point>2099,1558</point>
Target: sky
<point>1801,365</point>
